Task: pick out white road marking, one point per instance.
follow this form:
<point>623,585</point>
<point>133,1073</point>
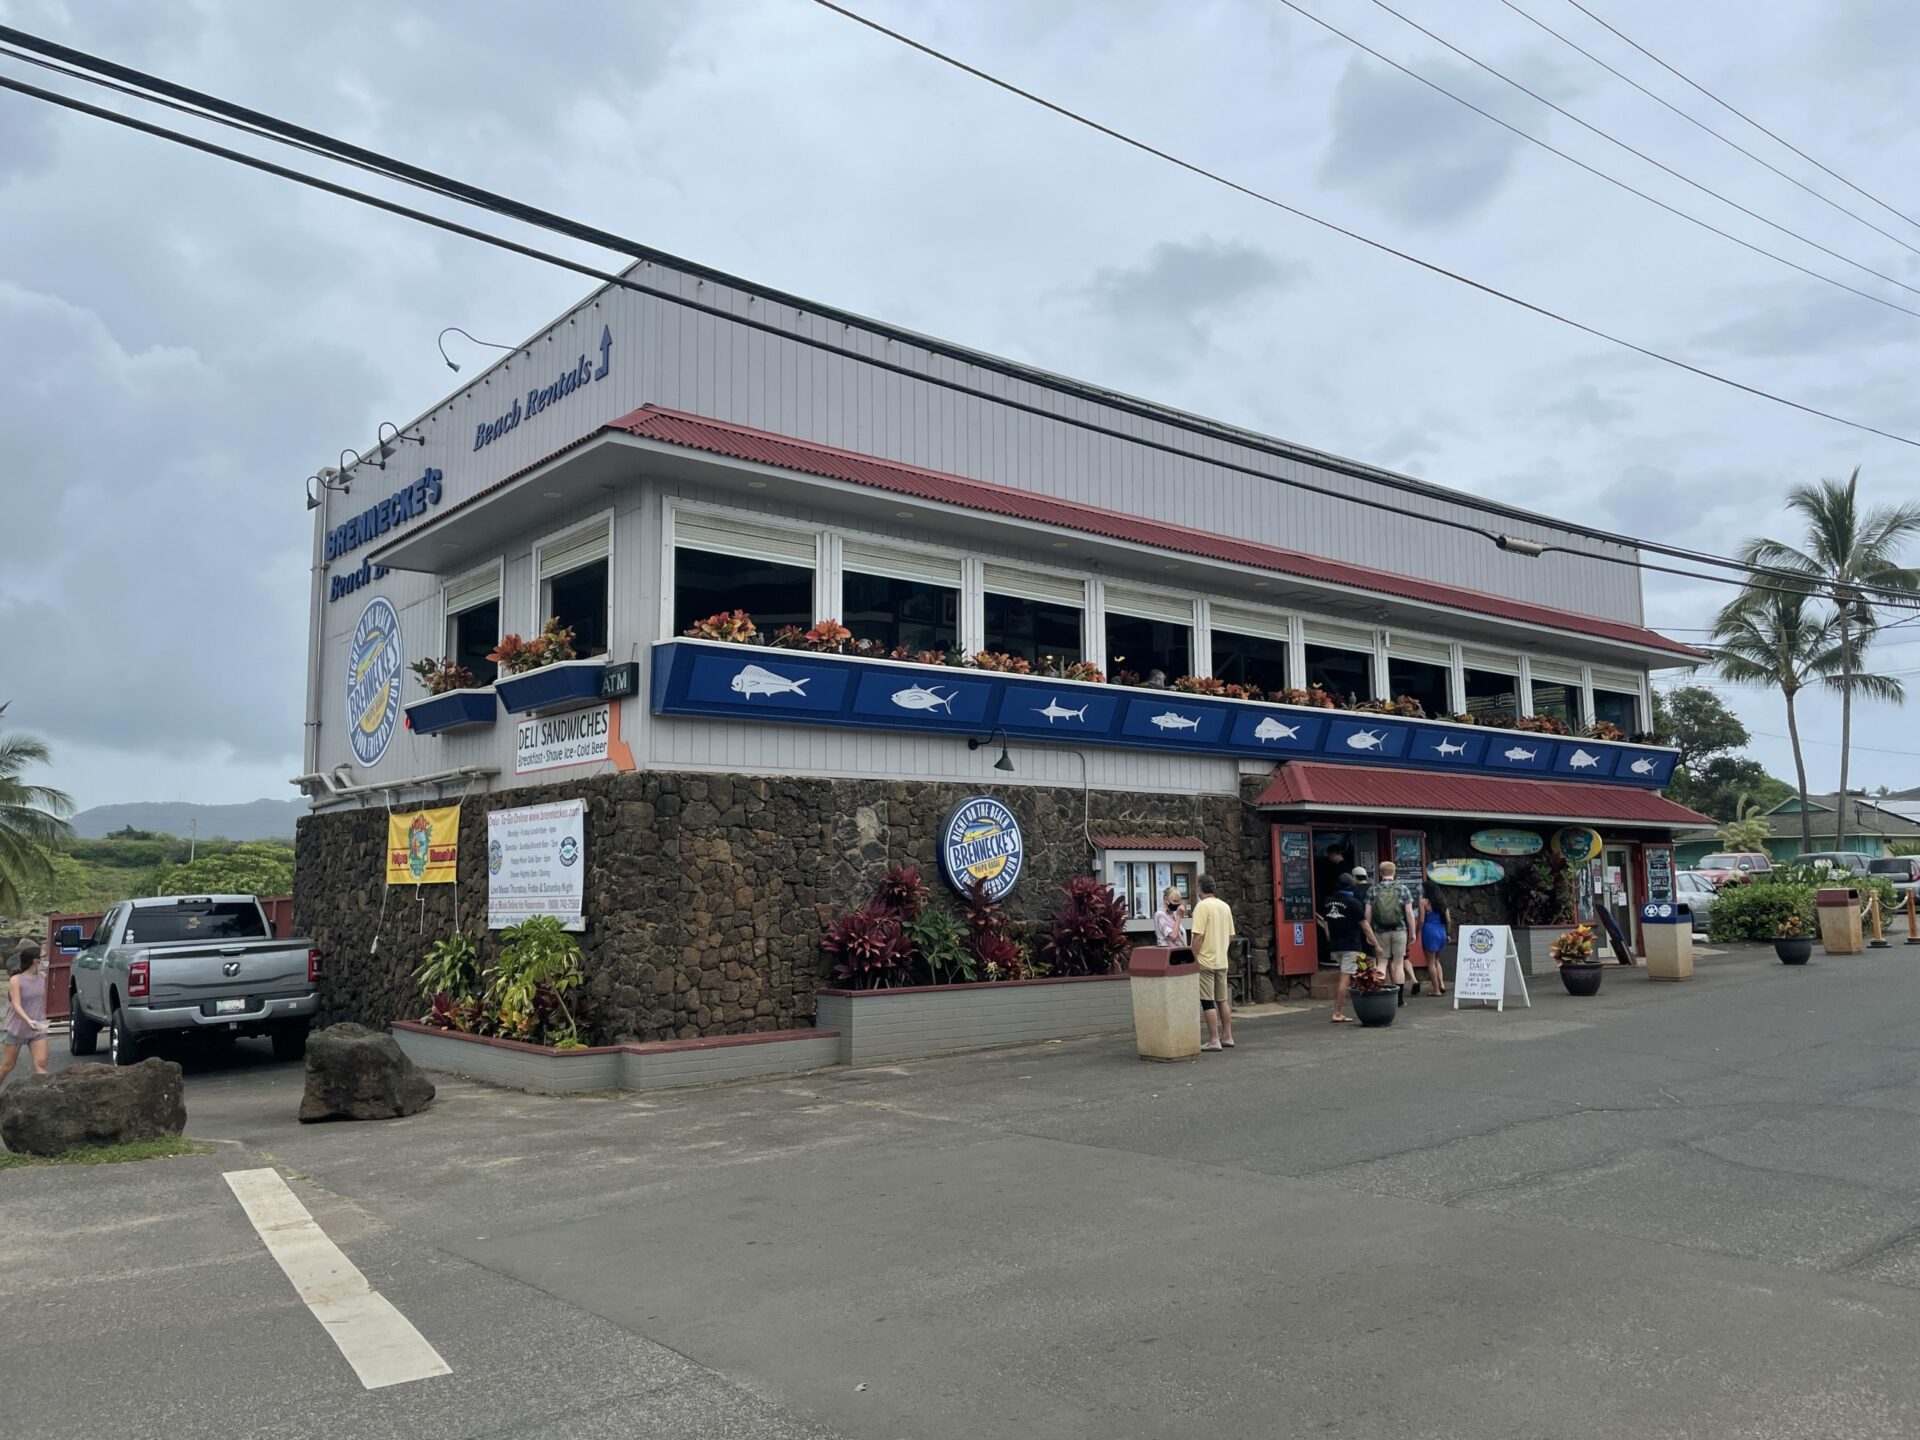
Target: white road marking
<point>376,1339</point>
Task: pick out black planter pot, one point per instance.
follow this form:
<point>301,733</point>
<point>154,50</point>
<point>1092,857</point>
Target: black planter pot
<point>1581,979</point>
<point>1376,1007</point>
<point>1795,950</point>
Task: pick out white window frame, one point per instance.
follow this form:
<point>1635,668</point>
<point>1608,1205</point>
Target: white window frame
<point>824,553</point>
<point>1139,602</point>
<point>1423,650</point>
<point>1621,682</point>
<point>1043,587</point>
<point>1232,617</point>
<point>1559,672</point>
<point>539,582</point>
<point>911,554</point>
<point>1343,635</point>
<point>498,565</point>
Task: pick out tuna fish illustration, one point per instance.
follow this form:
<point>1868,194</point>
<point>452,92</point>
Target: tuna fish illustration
<point>1173,720</point>
<point>1272,729</point>
<point>1516,754</point>
<point>1447,749</point>
<point>1367,740</point>
<point>1642,766</point>
<point>922,697</point>
<point>754,681</point>
<point>1580,760</point>
<point>1054,710</point>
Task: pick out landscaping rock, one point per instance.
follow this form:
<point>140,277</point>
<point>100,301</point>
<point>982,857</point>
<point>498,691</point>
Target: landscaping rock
<point>354,1073</point>
<point>91,1105</point>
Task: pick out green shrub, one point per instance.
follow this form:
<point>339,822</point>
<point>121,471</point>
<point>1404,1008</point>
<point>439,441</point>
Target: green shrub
<point>1751,913</point>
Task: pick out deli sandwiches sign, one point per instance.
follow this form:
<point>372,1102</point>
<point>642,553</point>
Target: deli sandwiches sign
<point>550,742</point>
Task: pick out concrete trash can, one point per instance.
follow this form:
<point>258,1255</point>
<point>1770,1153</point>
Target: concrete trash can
<point>1839,920</point>
<point>1668,928</point>
<point>1166,1002</point>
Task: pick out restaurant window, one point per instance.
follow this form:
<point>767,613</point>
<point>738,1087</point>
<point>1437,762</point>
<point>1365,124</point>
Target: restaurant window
<point>471,603</point>
<point>899,598</point>
<point>572,572</point>
<point>1426,681</point>
<point>1558,700</point>
<point>1492,695</point>
<point>726,563</point>
<point>1017,625</point>
<point>1147,631</point>
<point>1617,707</point>
<point>1250,660</point>
<point>1347,674</point>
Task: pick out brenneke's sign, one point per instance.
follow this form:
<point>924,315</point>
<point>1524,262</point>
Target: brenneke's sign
<point>551,742</point>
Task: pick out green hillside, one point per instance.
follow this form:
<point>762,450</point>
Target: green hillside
<point>90,875</point>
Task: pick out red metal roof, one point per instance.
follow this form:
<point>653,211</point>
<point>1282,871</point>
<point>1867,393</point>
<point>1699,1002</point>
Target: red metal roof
<point>1147,842</point>
<point>738,442</point>
<point>1309,784</point>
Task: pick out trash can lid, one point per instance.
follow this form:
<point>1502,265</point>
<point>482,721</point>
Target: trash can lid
<point>1151,960</point>
<point>1837,896</point>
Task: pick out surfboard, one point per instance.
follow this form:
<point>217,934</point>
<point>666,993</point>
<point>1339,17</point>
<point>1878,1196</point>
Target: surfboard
<point>1464,873</point>
<point>1506,842</point>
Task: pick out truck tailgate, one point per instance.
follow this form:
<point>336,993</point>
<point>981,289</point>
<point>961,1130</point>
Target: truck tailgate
<point>190,974</point>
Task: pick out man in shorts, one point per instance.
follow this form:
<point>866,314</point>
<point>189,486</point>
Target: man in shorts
<point>1343,916</point>
<point>1209,931</point>
<point>1393,913</point>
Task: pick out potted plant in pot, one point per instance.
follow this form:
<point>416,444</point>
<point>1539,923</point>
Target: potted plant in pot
<point>453,699</point>
<point>1579,971</point>
<point>543,673</point>
<point>1375,1002</point>
<point>1791,942</point>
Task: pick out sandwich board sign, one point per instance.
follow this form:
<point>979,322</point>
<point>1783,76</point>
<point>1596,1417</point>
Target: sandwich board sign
<point>1480,969</point>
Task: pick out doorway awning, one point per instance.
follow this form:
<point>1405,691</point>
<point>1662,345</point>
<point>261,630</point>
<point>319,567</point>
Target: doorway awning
<point>1354,789</point>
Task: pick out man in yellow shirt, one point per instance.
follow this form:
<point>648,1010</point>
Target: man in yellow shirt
<point>1210,930</point>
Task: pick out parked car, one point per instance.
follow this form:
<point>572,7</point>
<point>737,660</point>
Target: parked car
<point>1852,862</point>
<point>190,964</point>
<point>1902,870</point>
<point>1698,891</point>
<point>1726,865</point>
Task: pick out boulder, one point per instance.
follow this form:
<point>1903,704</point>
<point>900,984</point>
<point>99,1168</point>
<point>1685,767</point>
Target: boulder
<point>89,1105</point>
<point>354,1073</point>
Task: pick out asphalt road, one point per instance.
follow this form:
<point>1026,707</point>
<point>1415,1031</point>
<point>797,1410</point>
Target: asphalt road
<point>1671,1211</point>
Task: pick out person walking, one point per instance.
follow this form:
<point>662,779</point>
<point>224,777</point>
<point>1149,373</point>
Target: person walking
<point>1212,931</point>
<point>1170,924</point>
<point>1436,928</point>
<point>1391,912</point>
<point>1343,919</point>
<point>26,1013</point>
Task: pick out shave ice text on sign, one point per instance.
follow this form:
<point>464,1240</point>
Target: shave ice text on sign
<point>577,737</point>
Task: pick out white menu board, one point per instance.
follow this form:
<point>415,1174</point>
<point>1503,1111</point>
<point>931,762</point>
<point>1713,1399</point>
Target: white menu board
<point>537,864</point>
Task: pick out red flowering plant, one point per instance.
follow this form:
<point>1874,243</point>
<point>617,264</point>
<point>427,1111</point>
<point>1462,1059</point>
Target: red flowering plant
<point>1538,725</point>
<point>1084,670</point>
<point>440,676</point>
<point>1605,730</point>
<point>1575,947</point>
<point>829,637</point>
<point>735,626</point>
<point>1088,935</point>
<point>997,956</point>
<point>1234,690</point>
<point>1368,976</point>
<point>553,644</point>
<point>1200,685</point>
<point>872,949</point>
<point>999,660</point>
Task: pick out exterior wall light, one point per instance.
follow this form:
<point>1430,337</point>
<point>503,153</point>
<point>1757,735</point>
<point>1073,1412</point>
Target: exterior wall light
<point>1005,762</point>
<point>456,330</point>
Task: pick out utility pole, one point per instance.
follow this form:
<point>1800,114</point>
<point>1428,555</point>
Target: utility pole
<point>193,839</point>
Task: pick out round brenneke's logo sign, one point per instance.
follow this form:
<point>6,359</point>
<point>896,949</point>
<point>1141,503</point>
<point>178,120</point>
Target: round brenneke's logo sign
<point>373,681</point>
<point>981,841</point>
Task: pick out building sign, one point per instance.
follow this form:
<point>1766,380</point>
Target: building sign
<point>550,742</point>
<point>537,864</point>
<point>423,848</point>
<point>540,397</point>
<point>619,681</point>
<point>376,520</point>
<point>981,841</point>
<point>1480,966</point>
<point>373,681</point>
<point>1576,843</point>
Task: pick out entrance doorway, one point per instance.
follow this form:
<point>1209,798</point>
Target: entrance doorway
<point>1620,894</point>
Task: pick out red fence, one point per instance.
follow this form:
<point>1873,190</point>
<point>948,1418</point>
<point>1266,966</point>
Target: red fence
<point>60,960</point>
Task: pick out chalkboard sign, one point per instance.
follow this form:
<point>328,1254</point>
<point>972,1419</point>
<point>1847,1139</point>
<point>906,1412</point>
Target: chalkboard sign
<point>1659,872</point>
<point>1408,854</point>
<point>1296,874</point>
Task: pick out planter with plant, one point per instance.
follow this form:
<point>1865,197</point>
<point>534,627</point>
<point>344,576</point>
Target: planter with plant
<point>544,673</point>
<point>1375,1002</point>
<point>1791,942</point>
<point>453,699</point>
<point>1580,972</point>
<point>1089,934</point>
<point>522,996</point>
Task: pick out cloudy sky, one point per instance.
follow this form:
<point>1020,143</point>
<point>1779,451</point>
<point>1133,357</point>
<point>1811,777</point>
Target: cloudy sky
<point>185,341</point>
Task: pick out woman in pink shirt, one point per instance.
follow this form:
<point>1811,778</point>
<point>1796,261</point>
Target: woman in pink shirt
<point>26,1021</point>
<point>1169,927</point>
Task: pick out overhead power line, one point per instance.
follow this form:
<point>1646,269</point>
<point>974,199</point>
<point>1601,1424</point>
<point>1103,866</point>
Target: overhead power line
<point>1741,114</point>
<point>268,127</point>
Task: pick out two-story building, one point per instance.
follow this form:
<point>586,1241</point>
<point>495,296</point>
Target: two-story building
<point>1157,643</point>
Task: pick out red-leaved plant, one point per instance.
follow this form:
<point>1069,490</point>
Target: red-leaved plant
<point>997,955</point>
<point>874,953</point>
<point>1089,935</point>
<point>902,891</point>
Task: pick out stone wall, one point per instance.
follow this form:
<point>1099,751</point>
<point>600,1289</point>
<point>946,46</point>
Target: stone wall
<point>707,895</point>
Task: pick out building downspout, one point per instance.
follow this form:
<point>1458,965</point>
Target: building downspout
<point>310,736</point>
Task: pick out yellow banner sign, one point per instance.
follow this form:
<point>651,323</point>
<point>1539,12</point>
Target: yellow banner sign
<point>423,847</point>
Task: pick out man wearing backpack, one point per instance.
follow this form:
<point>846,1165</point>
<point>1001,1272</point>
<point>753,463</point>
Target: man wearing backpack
<point>1391,913</point>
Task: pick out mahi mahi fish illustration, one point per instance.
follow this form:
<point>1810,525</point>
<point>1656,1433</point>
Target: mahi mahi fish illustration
<point>1272,729</point>
<point>1173,720</point>
<point>1514,752</point>
<point>1447,749</point>
<point>923,697</point>
<point>1642,766</point>
<point>754,681</point>
<point>1054,710</point>
<point>1580,760</point>
<point>1367,740</point>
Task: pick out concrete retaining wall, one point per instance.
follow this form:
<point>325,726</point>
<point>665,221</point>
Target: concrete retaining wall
<point>616,1067</point>
<point>879,1025</point>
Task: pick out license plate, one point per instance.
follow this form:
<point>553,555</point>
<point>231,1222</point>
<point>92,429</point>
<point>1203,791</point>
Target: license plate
<point>229,1007</point>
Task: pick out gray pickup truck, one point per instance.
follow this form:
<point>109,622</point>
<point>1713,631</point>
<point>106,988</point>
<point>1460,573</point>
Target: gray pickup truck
<point>189,964</point>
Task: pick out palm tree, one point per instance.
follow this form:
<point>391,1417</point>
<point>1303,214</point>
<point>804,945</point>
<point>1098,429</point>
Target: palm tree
<point>1773,637</point>
<point>1845,552</point>
<point>31,817</point>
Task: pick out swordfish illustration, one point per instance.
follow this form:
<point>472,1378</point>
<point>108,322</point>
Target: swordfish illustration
<point>754,680</point>
<point>1054,710</point>
<point>1447,749</point>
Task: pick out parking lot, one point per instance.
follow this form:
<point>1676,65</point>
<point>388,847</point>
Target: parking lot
<point>1669,1211</point>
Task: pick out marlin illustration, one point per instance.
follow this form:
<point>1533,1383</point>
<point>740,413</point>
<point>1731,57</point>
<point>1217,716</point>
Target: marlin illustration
<point>1580,760</point>
<point>1054,710</point>
<point>754,681</point>
<point>1272,729</point>
<point>1447,748</point>
<point>922,697</point>
<point>1642,766</point>
<point>1516,753</point>
<point>1367,740</point>
<point>1173,720</point>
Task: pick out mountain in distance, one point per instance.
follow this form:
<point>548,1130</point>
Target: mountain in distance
<point>255,820</point>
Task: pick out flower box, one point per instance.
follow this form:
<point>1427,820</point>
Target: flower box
<point>918,1020</point>
<point>552,687</point>
<point>657,1065</point>
<point>453,710</point>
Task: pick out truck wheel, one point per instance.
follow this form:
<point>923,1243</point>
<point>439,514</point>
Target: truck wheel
<point>83,1035</point>
<point>290,1041</point>
<point>122,1048</point>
